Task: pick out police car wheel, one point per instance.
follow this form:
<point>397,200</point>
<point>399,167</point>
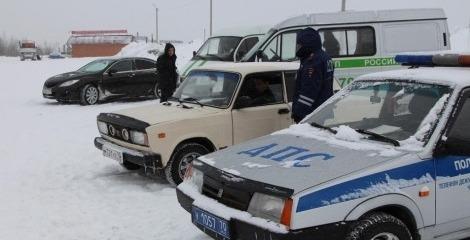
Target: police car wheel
<point>380,226</point>
<point>179,162</point>
<point>89,95</point>
<point>130,166</point>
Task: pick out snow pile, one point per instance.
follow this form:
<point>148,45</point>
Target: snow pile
<point>220,210</point>
<point>460,39</point>
<point>255,165</point>
<point>389,186</point>
<point>348,134</point>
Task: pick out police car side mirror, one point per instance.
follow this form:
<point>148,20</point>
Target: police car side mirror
<point>242,102</point>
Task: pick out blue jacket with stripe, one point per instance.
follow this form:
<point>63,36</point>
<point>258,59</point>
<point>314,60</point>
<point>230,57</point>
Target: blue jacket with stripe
<point>314,84</point>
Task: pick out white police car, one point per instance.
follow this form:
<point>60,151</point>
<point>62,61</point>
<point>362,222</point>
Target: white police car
<point>387,158</point>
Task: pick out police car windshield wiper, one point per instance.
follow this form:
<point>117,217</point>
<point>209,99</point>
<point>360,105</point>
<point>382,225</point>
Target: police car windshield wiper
<point>314,124</point>
<point>191,99</point>
<point>379,137</point>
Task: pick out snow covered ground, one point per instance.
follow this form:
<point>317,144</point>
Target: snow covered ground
<point>54,184</point>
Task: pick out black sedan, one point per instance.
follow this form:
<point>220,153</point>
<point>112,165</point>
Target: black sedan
<point>104,79</point>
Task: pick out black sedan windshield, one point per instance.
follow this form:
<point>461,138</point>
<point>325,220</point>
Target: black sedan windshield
<point>393,109</point>
<point>95,66</point>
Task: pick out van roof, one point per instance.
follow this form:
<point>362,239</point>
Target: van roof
<point>251,67</point>
<point>350,17</point>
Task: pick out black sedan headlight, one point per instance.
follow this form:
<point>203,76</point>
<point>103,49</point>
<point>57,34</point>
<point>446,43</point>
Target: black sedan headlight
<point>69,83</point>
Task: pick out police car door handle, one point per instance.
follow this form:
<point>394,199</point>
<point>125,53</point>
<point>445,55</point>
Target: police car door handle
<point>283,111</point>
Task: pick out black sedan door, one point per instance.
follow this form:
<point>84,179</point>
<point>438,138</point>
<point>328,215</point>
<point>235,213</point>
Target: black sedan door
<point>119,77</point>
<point>145,76</point>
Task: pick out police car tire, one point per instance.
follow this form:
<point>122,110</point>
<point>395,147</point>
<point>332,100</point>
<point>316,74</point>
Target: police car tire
<point>377,223</point>
<point>130,166</point>
<point>172,167</point>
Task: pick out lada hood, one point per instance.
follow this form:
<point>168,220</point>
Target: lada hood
<point>158,113</point>
<point>293,162</point>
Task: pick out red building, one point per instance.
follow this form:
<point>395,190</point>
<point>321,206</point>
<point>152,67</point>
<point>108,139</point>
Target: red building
<point>98,43</point>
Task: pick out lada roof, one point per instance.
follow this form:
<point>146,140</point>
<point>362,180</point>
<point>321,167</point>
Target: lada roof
<point>452,76</point>
<point>251,67</point>
<point>351,17</point>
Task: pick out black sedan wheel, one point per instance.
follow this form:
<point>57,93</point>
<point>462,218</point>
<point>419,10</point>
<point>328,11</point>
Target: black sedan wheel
<point>89,95</point>
<point>157,91</point>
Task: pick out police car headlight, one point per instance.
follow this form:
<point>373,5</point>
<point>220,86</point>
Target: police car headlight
<point>103,127</point>
<point>266,206</point>
<point>139,138</point>
<point>195,177</point>
<point>69,83</point>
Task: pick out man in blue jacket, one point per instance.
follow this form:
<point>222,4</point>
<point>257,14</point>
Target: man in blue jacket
<point>314,84</point>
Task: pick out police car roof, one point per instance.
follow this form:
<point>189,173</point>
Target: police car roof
<point>251,67</point>
<point>348,17</point>
<point>452,76</point>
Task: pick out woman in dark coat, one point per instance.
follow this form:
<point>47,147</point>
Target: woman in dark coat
<point>167,76</point>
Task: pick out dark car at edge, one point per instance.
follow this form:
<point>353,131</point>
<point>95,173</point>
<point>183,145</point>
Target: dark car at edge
<point>104,79</point>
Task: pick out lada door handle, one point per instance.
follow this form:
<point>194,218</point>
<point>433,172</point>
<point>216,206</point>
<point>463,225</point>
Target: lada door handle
<point>283,111</point>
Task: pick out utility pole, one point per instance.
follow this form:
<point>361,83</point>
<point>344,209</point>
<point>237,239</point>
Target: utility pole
<point>343,6</point>
<point>156,24</point>
<point>210,25</point>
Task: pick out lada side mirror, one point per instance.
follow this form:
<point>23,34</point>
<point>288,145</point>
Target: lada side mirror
<point>242,102</point>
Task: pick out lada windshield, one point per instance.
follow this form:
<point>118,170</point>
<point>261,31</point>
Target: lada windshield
<point>219,49</point>
<point>391,110</point>
<point>95,66</point>
<point>209,88</point>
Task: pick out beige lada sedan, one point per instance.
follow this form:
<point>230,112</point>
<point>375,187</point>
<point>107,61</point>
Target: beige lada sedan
<point>215,107</point>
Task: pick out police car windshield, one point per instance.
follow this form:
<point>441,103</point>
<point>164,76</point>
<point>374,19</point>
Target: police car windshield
<point>209,88</point>
<point>393,109</point>
<point>219,48</point>
<point>95,66</point>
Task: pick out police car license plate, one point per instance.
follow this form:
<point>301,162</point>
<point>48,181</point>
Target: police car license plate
<point>109,152</point>
<point>211,222</point>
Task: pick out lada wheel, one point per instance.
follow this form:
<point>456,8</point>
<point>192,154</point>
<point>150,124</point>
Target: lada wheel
<point>182,157</point>
<point>89,95</point>
<point>380,226</point>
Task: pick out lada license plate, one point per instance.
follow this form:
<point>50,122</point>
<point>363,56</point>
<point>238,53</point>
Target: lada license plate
<point>211,222</point>
<point>109,152</point>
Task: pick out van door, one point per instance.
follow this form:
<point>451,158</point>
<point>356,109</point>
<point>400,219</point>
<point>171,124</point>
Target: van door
<point>453,174</point>
<point>260,107</point>
<point>245,46</point>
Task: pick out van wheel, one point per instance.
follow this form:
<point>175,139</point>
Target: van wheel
<point>179,162</point>
<point>89,95</point>
<point>130,166</point>
<point>380,226</point>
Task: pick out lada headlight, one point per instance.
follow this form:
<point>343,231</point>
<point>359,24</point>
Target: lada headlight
<point>103,127</point>
<point>272,208</point>
<point>69,83</point>
<point>139,138</point>
<point>194,176</point>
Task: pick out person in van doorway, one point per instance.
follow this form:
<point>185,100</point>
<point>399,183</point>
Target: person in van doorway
<point>314,84</point>
<point>166,70</point>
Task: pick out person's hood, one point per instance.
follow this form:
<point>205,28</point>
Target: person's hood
<point>158,113</point>
<point>309,38</point>
<point>167,48</point>
<point>292,162</point>
<point>64,77</point>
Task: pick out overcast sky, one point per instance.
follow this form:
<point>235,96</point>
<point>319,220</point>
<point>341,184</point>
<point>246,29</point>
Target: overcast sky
<point>52,20</point>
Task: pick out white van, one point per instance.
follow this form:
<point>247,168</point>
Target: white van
<point>228,45</point>
<point>360,42</point>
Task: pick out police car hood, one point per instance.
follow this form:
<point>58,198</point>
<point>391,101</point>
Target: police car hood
<point>158,113</point>
<point>294,162</point>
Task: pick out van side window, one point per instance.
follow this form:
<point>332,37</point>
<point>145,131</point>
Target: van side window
<point>349,42</point>
<point>397,37</point>
<point>290,78</point>
<point>263,89</point>
<point>245,47</point>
